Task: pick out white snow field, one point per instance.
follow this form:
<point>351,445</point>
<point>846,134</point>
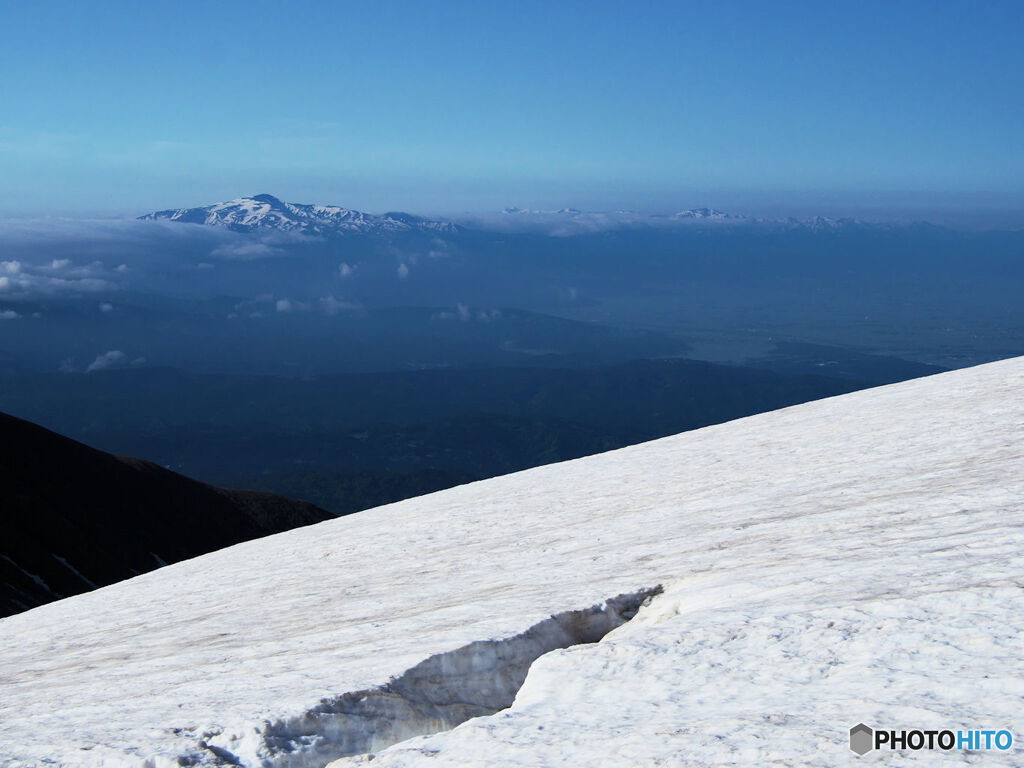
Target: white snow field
<point>853,559</point>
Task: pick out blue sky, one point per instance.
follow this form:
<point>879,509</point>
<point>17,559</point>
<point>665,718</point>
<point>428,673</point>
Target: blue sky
<point>762,107</point>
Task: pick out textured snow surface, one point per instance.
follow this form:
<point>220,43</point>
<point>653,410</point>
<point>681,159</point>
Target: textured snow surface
<point>855,559</point>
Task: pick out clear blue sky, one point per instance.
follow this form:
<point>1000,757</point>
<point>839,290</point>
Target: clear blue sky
<point>122,107</point>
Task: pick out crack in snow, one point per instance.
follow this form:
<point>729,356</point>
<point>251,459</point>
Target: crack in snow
<point>437,694</point>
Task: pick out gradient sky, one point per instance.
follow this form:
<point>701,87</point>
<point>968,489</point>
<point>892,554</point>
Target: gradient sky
<point>761,107</point>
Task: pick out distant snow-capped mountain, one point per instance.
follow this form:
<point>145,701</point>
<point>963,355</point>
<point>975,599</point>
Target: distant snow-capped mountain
<point>705,214</point>
<point>824,223</point>
<point>266,212</point>
<point>693,214</point>
<point>514,211</point>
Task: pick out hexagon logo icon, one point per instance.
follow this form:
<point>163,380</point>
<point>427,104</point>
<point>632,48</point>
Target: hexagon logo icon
<point>861,738</point>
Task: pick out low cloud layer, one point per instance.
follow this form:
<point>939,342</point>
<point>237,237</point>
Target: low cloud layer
<point>247,251</point>
<point>263,245</point>
<point>561,223</point>
<point>22,281</point>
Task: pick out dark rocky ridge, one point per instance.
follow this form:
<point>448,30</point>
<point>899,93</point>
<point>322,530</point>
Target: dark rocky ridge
<point>75,518</point>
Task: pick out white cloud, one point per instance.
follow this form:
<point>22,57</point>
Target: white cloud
<point>345,270</point>
<point>112,359</point>
<point>121,268</point>
<point>246,251</point>
<point>565,222</point>
<point>204,265</point>
<point>403,271</point>
<point>106,307</point>
<point>465,314</point>
<point>9,314</point>
<point>333,306</point>
<point>440,249</point>
<point>25,285</point>
<point>60,263</point>
<point>20,281</point>
<point>283,305</point>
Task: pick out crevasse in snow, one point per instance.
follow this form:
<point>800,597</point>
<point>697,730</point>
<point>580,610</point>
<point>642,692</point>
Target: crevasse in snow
<point>437,694</point>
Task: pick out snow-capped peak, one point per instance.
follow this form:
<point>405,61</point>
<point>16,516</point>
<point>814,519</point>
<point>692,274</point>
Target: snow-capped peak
<point>704,214</point>
<point>264,211</point>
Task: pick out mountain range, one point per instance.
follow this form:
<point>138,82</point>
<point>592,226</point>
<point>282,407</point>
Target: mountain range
<point>265,212</point>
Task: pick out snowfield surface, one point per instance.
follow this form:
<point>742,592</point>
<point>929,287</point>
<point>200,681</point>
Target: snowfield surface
<point>854,559</point>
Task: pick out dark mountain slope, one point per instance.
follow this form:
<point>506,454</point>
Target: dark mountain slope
<point>75,518</point>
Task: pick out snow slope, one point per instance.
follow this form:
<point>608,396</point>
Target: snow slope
<point>857,558</point>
